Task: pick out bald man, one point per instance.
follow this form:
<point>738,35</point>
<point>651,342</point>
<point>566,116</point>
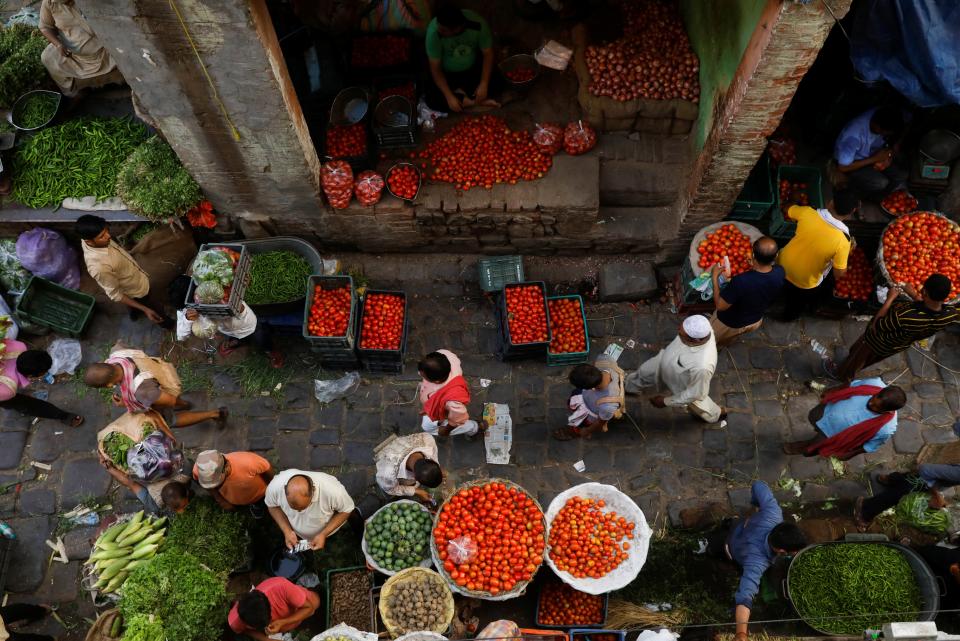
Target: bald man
<point>742,302</point>
<point>307,505</point>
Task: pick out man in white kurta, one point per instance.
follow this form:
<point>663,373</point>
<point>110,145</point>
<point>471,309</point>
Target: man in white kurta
<point>684,367</point>
<point>307,505</point>
<point>407,464</point>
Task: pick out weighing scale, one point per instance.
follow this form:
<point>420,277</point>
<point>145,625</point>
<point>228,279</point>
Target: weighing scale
<point>930,169</point>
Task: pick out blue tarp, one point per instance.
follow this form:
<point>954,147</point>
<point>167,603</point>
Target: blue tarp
<point>912,44</point>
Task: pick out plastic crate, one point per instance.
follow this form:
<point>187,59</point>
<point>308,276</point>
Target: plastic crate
<point>757,197</point>
<point>586,634</point>
<point>330,343</point>
<point>571,358</point>
<point>497,271</point>
<point>7,547</point>
<point>690,300</point>
<point>367,160</point>
<point>241,277</point>
<point>394,136</point>
<point>65,311</point>
<point>780,227</point>
<point>370,39</point>
<point>327,591</point>
<point>506,348</point>
<point>539,624</point>
<point>387,361</point>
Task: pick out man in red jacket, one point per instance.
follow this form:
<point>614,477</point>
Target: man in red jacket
<point>444,396</point>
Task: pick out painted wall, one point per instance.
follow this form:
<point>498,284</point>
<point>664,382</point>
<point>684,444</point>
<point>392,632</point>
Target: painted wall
<point>719,31</point>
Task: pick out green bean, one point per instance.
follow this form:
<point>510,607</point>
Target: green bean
<point>277,277</point>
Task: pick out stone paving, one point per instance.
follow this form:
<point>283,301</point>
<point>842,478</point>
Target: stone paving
<point>663,458</point>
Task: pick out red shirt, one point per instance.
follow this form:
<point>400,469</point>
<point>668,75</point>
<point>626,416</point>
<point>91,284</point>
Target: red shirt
<point>285,598</point>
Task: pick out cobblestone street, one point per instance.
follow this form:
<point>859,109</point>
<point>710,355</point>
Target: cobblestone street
<point>664,459</point>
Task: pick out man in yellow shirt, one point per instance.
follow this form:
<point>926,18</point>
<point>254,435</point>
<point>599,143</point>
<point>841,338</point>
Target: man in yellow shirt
<point>822,244</point>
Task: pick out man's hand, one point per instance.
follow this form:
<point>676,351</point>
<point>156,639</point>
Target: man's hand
<point>152,315</point>
<point>937,501</point>
<point>117,400</point>
<point>290,539</point>
<point>657,401</point>
<point>191,314</point>
<point>454,103</point>
<point>317,542</point>
<point>482,90</point>
<point>105,460</point>
<point>423,495</point>
<point>444,430</point>
<point>274,627</point>
<point>911,291</point>
<point>65,52</point>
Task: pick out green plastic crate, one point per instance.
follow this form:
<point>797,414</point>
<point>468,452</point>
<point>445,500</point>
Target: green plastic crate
<point>65,311</point>
<point>497,271</point>
<point>757,196</point>
<point>780,227</point>
<point>571,358</point>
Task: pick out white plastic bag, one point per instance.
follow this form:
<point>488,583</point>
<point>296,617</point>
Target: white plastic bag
<point>184,326</point>
<point>203,328</point>
<point>66,354</point>
<point>461,550</point>
<point>329,391</point>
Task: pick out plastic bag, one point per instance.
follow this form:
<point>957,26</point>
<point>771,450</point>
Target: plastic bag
<point>66,354</point>
<point>549,137</point>
<point>914,509</point>
<point>13,277</point>
<point>184,326</point>
<point>329,391</point>
<point>369,188</point>
<point>204,328</point>
<point>47,254</point>
<point>336,178</point>
<point>579,138</point>
<point>153,458</point>
<point>461,550</point>
<point>213,265</point>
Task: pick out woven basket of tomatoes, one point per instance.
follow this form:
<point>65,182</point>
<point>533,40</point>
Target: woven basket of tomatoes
<point>488,539</point>
<point>857,283</point>
<point>597,538</point>
<point>569,338</point>
<point>916,245</point>
<point>730,238</point>
<point>329,312</point>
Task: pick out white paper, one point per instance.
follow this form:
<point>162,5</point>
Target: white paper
<point>580,466</point>
<point>499,436</point>
<point>613,351</point>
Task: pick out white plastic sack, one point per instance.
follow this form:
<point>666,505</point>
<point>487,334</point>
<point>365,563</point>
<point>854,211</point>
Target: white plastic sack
<point>661,635</point>
<point>329,391</point>
<point>66,354</point>
<point>344,630</point>
<point>426,635</point>
<point>427,562</point>
<point>623,505</point>
<point>90,203</point>
<point>184,326</point>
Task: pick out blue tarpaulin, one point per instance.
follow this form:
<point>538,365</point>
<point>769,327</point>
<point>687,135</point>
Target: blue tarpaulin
<point>912,44</point>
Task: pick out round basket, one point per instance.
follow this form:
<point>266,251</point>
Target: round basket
<point>520,62</point>
<point>18,107</point>
<point>393,111</point>
<point>881,264</point>
<point>624,506</point>
<point>694,256</point>
<point>520,587</point>
<point>422,636</point>
<point>340,630</point>
<point>350,106</point>
<point>894,215</point>
<point>408,575</point>
<point>425,563</point>
<point>386,179</point>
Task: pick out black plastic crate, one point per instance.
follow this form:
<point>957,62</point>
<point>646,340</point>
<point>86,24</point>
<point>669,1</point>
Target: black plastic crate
<point>331,343</point>
<point>7,547</point>
<point>383,360</point>
<point>357,163</point>
<point>506,348</point>
<point>374,40</point>
<point>241,278</point>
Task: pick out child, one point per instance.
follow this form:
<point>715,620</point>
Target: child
<point>444,396</point>
<point>240,330</point>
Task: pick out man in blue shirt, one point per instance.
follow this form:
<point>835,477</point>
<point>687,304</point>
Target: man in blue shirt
<point>753,543</point>
<point>864,152</point>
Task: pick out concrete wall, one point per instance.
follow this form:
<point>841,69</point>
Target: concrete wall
<point>719,31</point>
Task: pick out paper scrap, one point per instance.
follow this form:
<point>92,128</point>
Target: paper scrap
<point>580,466</point>
<point>613,351</point>
<point>631,344</point>
<point>41,466</point>
<point>485,382</point>
<point>499,436</point>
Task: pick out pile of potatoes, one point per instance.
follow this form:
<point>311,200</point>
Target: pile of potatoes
<point>416,604</point>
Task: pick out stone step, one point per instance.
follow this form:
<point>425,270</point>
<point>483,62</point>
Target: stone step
<point>643,229</point>
<point>640,184</point>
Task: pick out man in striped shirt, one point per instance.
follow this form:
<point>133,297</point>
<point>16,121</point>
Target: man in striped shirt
<point>899,324</point>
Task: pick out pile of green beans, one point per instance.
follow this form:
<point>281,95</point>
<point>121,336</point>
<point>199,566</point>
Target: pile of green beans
<point>37,110</point>
<point>277,277</point>
<point>847,588</point>
<point>78,158</point>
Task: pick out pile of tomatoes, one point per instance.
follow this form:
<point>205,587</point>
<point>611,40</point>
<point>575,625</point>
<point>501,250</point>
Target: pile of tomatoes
<point>329,311</point>
<point>404,181</point>
<point>506,526</point>
<point>482,152</point>
<point>561,605</point>
<point>920,244</point>
<point>526,314</point>
<point>376,52</point>
<point>586,541</point>
<point>783,150</point>
<point>899,202</point>
<point>407,90</point>
<point>857,282</point>
<point>793,193</point>
<point>567,332</point>
<point>730,242</point>
<point>346,141</point>
<point>521,74</point>
<point>383,316</point>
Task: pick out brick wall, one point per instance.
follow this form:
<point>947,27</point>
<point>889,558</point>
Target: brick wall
<point>782,49</point>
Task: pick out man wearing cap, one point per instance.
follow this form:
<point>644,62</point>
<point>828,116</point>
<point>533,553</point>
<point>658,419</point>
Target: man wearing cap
<point>238,478</point>
<point>307,505</point>
<point>685,367</point>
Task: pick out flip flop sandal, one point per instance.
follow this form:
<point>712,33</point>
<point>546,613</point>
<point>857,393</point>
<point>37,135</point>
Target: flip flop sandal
<point>74,421</point>
<point>277,359</point>
<point>226,348</point>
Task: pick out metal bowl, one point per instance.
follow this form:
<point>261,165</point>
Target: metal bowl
<point>892,214</point>
<point>350,106</point>
<point>21,102</point>
<point>386,180</point>
<point>520,61</point>
<point>940,145</point>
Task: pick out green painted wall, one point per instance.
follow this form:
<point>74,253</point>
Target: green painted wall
<point>719,31</point>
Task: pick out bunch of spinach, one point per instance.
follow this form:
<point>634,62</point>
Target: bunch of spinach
<point>189,599</point>
<point>144,627</point>
<point>154,184</point>
<point>216,537</point>
<point>20,67</point>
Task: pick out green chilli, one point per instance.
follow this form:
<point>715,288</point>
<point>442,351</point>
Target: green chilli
<point>277,277</point>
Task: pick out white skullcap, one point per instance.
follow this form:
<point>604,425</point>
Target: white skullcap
<point>696,327</point>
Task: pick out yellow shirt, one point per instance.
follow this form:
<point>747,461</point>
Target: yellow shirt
<point>115,271</point>
<point>816,247</point>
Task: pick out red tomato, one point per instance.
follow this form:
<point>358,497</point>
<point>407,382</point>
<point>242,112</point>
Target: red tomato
<point>526,314</point>
<point>347,141</point>
<point>404,181</point>
<point>383,316</point>
<point>561,605</point>
<point>919,244</point>
<point>329,311</point>
<point>857,283</point>
<point>567,332</point>
<point>730,242</point>
<point>586,541</point>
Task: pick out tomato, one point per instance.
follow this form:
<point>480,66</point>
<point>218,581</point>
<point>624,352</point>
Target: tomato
<point>404,181</point>
<point>793,192</point>
<point>561,605</point>
<point>727,241</point>
<point>346,141</point>
<point>521,74</point>
<point>383,316</point>
<point>899,202</point>
<point>857,283</point>
<point>526,313</point>
<point>378,51</point>
<point>329,311</point>
<point>919,244</point>
<point>586,541</point>
<point>566,326</point>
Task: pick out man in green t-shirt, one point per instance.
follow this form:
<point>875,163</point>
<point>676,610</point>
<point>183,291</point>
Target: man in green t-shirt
<point>460,48</point>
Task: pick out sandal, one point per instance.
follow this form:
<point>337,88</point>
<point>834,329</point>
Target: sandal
<point>73,421</point>
<point>566,433</point>
<point>277,359</point>
<point>228,347</point>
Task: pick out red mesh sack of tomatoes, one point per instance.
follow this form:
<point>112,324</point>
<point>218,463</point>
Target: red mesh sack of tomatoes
<point>579,138</point>
<point>586,541</point>
<point>369,188</point>
<point>561,605</point>
<point>920,244</point>
<point>526,314</point>
<point>336,178</point>
<point>727,241</point>
<point>329,311</point>
<point>549,137</point>
<point>508,529</point>
<point>567,334</point>
<point>857,282</point>
<point>382,322</point>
